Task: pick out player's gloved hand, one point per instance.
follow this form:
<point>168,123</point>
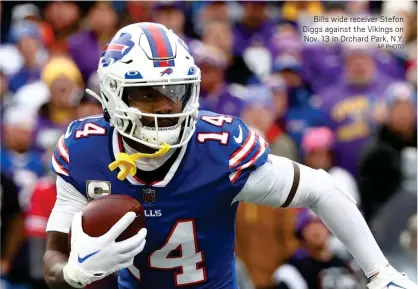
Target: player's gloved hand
<point>92,259</point>
<point>389,278</point>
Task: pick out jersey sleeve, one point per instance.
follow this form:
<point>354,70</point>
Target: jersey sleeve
<point>69,202</point>
<point>60,160</point>
<point>246,152</point>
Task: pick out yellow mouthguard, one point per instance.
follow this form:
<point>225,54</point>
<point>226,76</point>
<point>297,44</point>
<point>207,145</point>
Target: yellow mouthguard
<point>127,162</point>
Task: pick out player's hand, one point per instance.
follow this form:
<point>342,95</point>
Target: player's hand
<point>389,278</point>
<point>92,259</point>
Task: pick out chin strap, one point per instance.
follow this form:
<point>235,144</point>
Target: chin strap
<point>127,162</point>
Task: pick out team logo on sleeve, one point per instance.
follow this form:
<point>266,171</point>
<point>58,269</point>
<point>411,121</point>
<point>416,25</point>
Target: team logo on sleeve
<point>116,49</point>
<point>148,196</point>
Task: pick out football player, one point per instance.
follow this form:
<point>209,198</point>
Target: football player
<point>188,168</point>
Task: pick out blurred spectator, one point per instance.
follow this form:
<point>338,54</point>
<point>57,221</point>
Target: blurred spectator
<point>65,86</point>
<point>11,60</point>
<point>286,40</point>
<point>171,15</point>
<point>322,64</point>
<point>41,204</point>
<point>259,114</point>
<point>317,147</point>
<point>88,106</point>
<point>388,226</point>
<point>254,29</point>
<point>63,16</point>
<point>408,239</point>
<point>382,156</point>
<point>30,12</point>
<point>26,36</point>
<point>300,111</point>
<point>215,94</point>
<point>85,46</point>
<point>313,266</point>
<point>322,61</point>
<point>289,68</point>
<point>293,10</point>
<point>218,33</point>
<point>263,255</point>
<point>206,12</point>
<point>27,11</point>
<point>31,96</point>
<point>4,89</point>
<point>411,73</point>
<point>19,159</point>
<point>357,7</point>
<point>408,11</point>
<point>139,11</point>
<point>349,104</point>
<point>12,232</point>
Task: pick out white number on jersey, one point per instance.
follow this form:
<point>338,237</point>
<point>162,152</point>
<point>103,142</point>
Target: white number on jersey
<point>90,129</point>
<point>217,120</point>
<point>222,137</point>
<point>182,237</point>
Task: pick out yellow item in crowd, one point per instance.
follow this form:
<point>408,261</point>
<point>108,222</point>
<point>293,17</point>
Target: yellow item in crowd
<point>127,162</point>
<point>61,66</point>
<point>292,9</point>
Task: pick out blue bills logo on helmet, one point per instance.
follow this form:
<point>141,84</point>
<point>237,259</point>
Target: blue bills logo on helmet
<point>116,49</point>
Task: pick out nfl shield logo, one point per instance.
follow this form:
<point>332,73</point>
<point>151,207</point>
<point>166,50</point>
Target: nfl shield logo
<point>149,196</point>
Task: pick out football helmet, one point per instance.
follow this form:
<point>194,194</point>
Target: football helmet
<point>150,57</point>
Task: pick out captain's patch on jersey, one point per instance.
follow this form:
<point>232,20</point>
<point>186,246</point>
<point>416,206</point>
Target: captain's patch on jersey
<point>96,189</point>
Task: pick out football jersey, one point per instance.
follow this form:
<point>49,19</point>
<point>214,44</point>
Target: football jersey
<point>190,217</point>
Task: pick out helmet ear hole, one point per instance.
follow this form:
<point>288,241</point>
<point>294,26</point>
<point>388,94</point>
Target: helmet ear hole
<point>105,97</point>
<point>106,115</point>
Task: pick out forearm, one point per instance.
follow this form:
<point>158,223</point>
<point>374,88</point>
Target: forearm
<point>54,263</point>
<point>281,182</point>
<point>319,191</point>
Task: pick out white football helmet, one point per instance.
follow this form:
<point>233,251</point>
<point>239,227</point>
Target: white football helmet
<point>149,55</point>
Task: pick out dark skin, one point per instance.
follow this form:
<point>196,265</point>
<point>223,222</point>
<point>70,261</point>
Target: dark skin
<point>146,100</point>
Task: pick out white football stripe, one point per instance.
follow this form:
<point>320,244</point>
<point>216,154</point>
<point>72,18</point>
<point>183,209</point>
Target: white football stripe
<point>243,150</point>
<point>234,175</point>
<point>58,168</point>
<point>62,149</point>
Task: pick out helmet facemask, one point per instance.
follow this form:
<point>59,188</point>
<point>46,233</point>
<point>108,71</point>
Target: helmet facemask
<point>153,129</point>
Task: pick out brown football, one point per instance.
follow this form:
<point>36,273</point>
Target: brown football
<point>102,213</point>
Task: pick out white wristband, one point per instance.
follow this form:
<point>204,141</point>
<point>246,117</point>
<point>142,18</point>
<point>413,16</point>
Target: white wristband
<point>67,277</point>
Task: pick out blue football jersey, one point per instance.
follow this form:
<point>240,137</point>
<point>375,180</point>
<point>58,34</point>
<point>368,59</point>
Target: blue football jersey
<point>190,217</point>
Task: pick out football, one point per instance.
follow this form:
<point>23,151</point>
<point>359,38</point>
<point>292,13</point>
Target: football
<point>102,213</point>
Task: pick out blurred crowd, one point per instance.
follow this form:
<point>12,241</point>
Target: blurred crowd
<point>347,108</point>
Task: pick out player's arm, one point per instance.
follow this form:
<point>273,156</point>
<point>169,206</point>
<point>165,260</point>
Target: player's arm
<point>90,259</point>
<point>280,182</point>
<point>68,203</point>
<point>55,258</point>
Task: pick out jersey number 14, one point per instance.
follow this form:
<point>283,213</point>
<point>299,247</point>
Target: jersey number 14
<point>183,236</point>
